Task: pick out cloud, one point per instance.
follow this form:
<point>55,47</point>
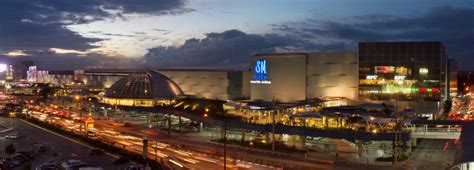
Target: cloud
<point>37,29</point>
<point>67,60</point>
<point>34,25</point>
<point>232,48</point>
<point>452,26</point>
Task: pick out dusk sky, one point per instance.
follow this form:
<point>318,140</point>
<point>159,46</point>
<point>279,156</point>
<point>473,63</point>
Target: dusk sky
<point>71,34</point>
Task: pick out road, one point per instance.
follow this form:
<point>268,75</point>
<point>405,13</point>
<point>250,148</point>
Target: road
<point>202,155</point>
<point>167,155</point>
<point>64,148</point>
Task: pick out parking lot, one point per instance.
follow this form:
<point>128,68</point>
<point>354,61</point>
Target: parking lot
<point>58,149</point>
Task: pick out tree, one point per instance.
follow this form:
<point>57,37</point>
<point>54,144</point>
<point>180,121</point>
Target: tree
<point>10,149</point>
<point>447,107</point>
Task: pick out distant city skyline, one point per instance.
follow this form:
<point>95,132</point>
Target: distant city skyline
<point>219,34</point>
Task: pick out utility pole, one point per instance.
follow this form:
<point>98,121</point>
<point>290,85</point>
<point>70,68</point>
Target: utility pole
<point>273,131</point>
<point>273,124</point>
<point>396,142</point>
<point>225,143</point>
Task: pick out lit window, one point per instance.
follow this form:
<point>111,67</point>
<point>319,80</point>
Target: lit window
<point>423,71</point>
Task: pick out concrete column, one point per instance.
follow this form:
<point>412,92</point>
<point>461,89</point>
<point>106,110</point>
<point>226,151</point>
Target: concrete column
<point>243,136</point>
<point>169,124</point>
<point>180,124</point>
<point>222,132</point>
<point>303,142</point>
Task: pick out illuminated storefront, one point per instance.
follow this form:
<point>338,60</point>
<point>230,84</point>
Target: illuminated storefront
<point>406,71</point>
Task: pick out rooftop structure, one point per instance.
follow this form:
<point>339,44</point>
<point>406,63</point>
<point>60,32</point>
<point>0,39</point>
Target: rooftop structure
<point>142,88</point>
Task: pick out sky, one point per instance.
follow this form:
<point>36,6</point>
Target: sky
<point>86,34</point>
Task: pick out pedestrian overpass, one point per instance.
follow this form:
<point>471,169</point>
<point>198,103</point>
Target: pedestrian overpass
<point>435,133</point>
<point>435,129</point>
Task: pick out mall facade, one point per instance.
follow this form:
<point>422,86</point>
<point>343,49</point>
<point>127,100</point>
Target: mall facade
<point>288,77</point>
<point>406,74</point>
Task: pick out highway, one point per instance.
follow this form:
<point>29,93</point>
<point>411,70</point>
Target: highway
<point>166,154</point>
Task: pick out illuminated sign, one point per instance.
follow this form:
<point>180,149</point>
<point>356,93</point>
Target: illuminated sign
<point>371,77</point>
<point>398,77</point>
<point>401,70</point>
<point>260,75</point>
<point>260,70</point>
<point>384,69</point>
<point>423,71</point>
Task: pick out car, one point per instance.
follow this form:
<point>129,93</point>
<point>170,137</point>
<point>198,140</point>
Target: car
<point>22,157</point>
<point>136,167</point>
<point>96,152</point>
<point>121,160</point>
<point>91,134</point>
<point>13,161</point>
<point>49,167</point>
<point>26,154</point>
<point>12,136</point>
<point>73,163</point>
<point>91,168</point>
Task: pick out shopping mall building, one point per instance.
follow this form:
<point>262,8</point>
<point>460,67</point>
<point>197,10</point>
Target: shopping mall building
<point>399,73</point>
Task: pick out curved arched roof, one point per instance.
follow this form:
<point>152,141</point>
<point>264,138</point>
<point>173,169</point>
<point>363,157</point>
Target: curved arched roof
<point>144,85</point>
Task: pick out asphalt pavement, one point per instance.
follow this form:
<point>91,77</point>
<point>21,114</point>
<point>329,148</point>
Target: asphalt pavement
<point>433,154</point>
<point>63,148</point>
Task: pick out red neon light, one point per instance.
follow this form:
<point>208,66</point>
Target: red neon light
<point>434,90</point>
<point>151,132</point>
<point>422,90</point>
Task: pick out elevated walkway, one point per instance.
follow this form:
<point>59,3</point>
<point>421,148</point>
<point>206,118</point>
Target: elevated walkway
<point>435,133</point>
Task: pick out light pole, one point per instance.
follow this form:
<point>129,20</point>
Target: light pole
<point>78,100</point>
<point>225,143</point>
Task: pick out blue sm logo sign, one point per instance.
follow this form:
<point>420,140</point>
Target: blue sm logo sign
<point>260,70</point>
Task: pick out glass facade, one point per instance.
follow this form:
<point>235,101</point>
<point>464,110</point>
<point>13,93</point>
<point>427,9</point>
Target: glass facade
<point>405,71</point>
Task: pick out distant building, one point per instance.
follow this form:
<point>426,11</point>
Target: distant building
<point>16,69</point>
<point>207,84</point>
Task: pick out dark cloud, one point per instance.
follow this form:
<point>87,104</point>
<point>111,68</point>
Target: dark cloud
<point>231,48</point>
<point>34,26</point>
<point>40,24</point>
<point>452,26</point>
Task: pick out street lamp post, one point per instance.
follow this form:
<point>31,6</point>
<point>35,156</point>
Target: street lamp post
<point>225,143</point>
<point>273,130</point>
<point>81,126</point>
